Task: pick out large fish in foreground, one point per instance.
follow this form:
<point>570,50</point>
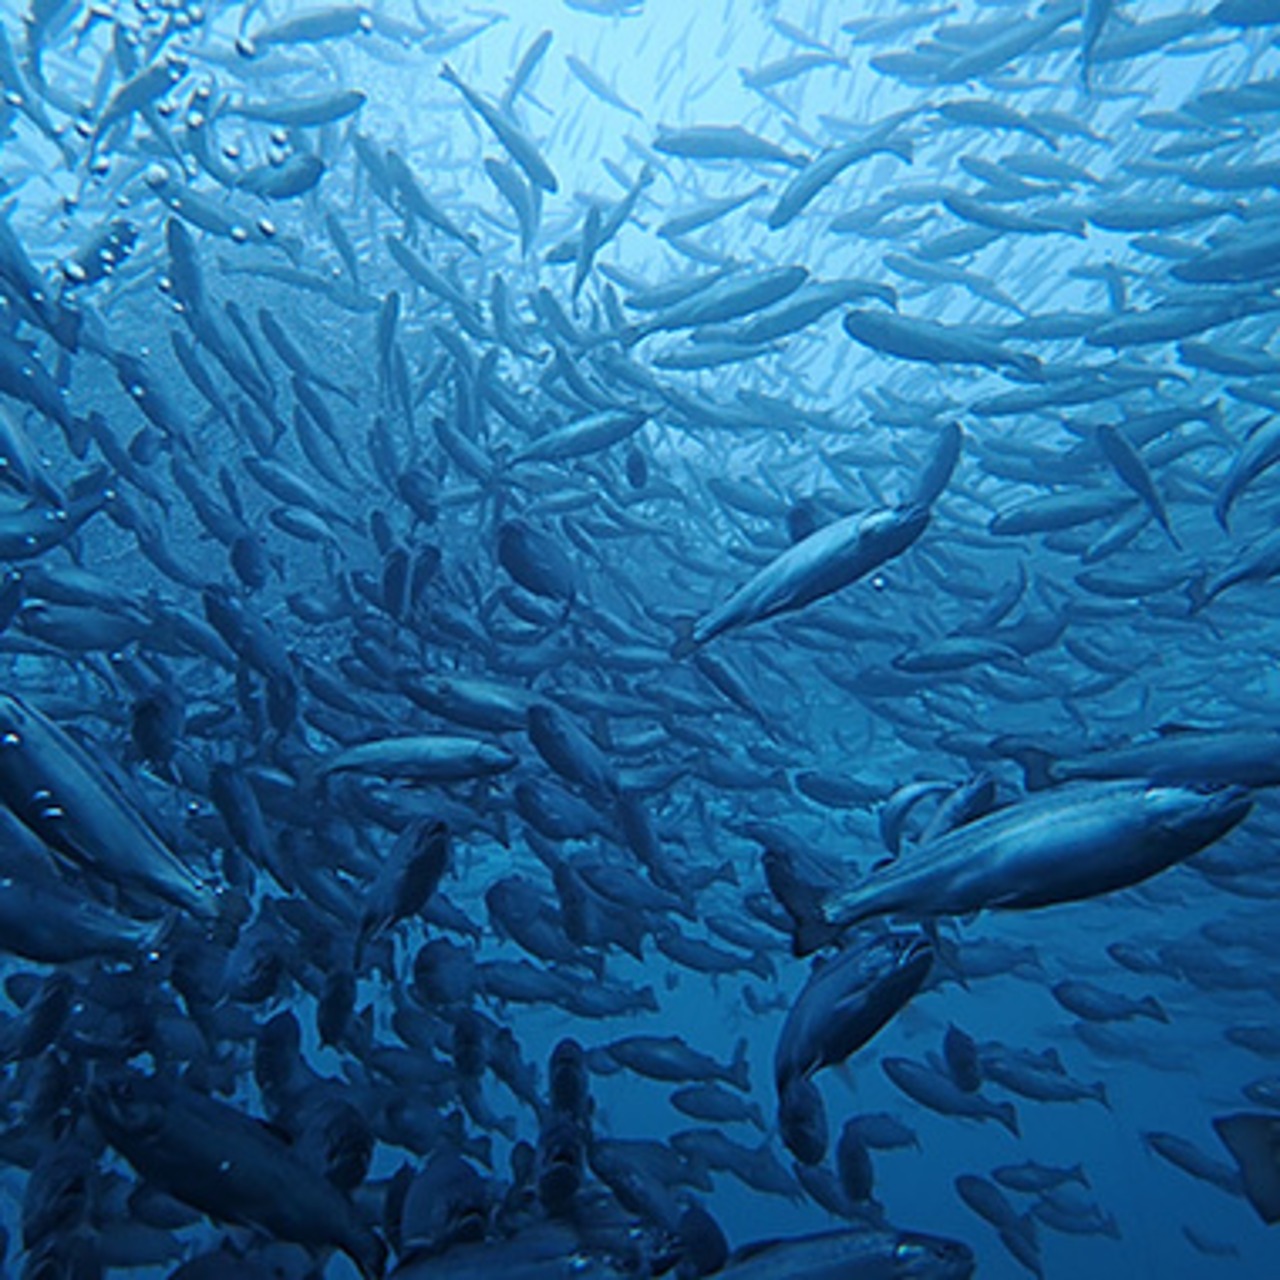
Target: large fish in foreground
<point>1178,757</point>
<point>846,1001</point>
<point>1064,846</point>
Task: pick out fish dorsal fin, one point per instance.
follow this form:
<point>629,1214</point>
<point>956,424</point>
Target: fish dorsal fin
<point>1253,1141</point>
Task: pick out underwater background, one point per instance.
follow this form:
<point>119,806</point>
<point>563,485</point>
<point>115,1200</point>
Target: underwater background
<point>634,628</point>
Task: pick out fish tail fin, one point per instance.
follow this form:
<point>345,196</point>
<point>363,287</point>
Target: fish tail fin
<point>78,433</point>
<point>1152,1008</point>
<point>64,326</point>
<point>1099,1092</point>
<point>727,873</point>
<point>369,1254</point>
<point>1007,1115</point>
<point>684,643</point>
<point>1036,765</point>
<point>762,967</point>
<point>811,934</point>
<point>449,75</point>
<point>1252,1139</point>
<point>801,901</point>
<point>1079,1175</point>
<point>1197,594</point>
<point>233,910</point>
<point>739,1067</point>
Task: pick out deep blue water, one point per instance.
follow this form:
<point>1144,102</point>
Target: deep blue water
<point>269,362</point>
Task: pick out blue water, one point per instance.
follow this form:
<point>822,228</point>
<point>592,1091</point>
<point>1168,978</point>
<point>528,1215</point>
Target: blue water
<point>812,424</point>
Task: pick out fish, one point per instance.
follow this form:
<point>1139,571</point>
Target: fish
<point>463,540</point>
<point>1129,466</point>
<point>928,342</point>
<point>1260,451</point>
<point>1097,1005</point>
<point>599,87</point>
<point>222,1162</point>
<point>1063,845</point>
<point>668,1058</point>
<point>724,142</point>
<point>436,758</point>
<point>53,787</point>
<point>846,1000</point>
<point>1031,1176</point>
<point>936,1091</point>
<point>520,148</point>
<point>824,169</point>
<point>828,560</point>
<point>299,113</point>
<point>852,1251</point>
<point>1186,1155</point>
<point>1180,755</point>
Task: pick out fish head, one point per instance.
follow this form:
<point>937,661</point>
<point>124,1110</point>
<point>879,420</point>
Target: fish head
<point>908,955</point>
<point>1192,818</point>
<point>888,533</point>
<point>922,1257</point>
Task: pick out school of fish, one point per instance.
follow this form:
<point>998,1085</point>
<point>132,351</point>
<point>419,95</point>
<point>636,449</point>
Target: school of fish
<point>622,622</point>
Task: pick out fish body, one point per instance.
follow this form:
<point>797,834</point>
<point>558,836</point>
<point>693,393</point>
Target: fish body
<point>517,145</point>
<point>827,561</point>
<point>1060,846</point>
<point>213,1157</point>
<point>1178,757</point>
<point>434,758</point>
<point>846,1000</point>
<point>52,785</point>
